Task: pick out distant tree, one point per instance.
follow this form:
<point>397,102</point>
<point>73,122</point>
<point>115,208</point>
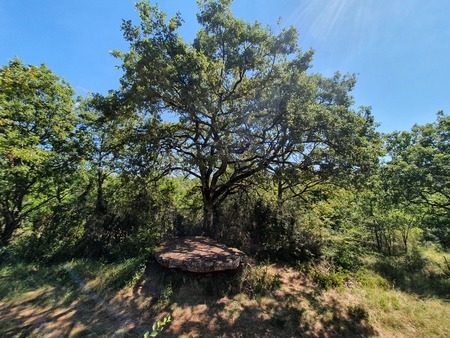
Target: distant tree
<point>420,168</point>
<point>390,222</point>
<point>118,153</point>
<point>36,122</point>
<point>421,162</point>
<point>101,143</point>
<point>244,101</point>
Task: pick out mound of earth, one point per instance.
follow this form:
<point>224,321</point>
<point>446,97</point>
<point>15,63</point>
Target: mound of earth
<point>198,254</point>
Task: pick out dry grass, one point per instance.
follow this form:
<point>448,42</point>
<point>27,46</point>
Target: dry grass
<point>84,301</point>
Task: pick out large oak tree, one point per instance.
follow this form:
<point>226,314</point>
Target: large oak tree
<point>244,99</point>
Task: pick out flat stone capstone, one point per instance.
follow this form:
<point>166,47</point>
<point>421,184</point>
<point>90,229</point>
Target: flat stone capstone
<point>198,254</point>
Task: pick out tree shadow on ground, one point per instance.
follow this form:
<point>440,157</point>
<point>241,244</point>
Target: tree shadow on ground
<point>42,315</point>
<point>50,302</point>
<point>414,274</point>
<point>60,305</point>
<point>209,306</point>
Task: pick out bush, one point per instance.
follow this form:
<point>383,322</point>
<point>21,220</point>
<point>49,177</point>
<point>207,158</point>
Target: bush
<point>344,255</point>
<point>330,278</point>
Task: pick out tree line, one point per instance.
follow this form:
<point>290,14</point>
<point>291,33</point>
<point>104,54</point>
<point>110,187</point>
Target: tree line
<point>262,153</point>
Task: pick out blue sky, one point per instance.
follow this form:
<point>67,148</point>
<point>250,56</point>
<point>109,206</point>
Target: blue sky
<point>399,49</point>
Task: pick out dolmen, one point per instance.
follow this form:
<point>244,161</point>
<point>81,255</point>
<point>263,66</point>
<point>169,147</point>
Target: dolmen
<point>198,254</point>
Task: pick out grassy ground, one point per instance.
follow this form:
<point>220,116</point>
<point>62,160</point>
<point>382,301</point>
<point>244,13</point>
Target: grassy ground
<point>85,298</point>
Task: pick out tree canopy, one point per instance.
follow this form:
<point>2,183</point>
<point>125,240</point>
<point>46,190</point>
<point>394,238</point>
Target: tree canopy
<point>418,173</point>
<point>421,162</point>
<point>244,99</point>
<point>37,118</point>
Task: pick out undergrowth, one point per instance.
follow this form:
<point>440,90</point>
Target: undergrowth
<point>257,281</point>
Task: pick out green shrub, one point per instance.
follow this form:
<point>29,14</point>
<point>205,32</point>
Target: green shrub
<point>345,255</point>
<point>330,278</point>
<point>289,235</point>
<point>166,294</point>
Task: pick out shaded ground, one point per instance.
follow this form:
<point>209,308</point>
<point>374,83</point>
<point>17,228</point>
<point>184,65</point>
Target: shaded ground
<point>290,311</point>
<point>58,305</point>
<point>88,299</point>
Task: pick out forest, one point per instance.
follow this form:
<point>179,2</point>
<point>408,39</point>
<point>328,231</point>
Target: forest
<point>230,136</point>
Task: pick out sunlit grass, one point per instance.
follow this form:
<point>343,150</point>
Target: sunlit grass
<point>22,278</point>
<point>101,276</point>
<point>397,312</point>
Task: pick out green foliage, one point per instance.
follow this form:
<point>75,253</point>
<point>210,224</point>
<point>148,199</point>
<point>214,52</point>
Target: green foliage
<point>420,168</point>
<point>37,119</point>
<point>416,272</point>
<point>391,225</point>
<point>290,232</point>
<point>139,212</point>
<point>117,195</point>
<point>165,294</point>
<point>330,277</point>
<point>158,327</point>
<point>344,255</point>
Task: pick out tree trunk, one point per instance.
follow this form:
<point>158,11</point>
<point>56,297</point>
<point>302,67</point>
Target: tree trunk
<point>405,236</point>
<point>11,224</point>
<point>378,238</point>
<point>209,218</point>
<point>100,206</point>
<point>280,192</point>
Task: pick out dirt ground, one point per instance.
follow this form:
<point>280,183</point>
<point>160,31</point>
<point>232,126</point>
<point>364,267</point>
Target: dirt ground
<point>198,306</point>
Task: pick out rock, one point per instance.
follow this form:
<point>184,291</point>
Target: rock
<point>198,254</point>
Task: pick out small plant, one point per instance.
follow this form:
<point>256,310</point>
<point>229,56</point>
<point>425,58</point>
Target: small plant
<point>166,294</point>
<point>158,327</point>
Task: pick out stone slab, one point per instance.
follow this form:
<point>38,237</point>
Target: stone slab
<point>198,254</point>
